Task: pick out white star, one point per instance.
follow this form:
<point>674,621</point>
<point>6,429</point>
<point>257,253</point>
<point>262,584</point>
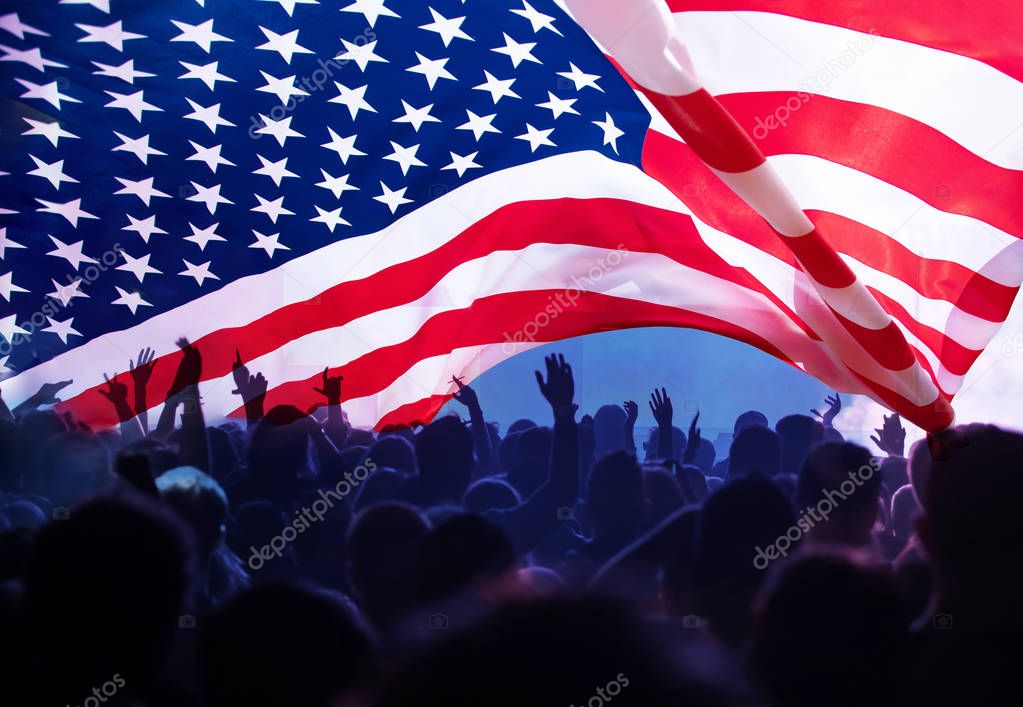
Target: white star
<point>284,88</point>
<point>49,92</point>
<point>51,131</point>
<point>280,129</point>
<point>289,5</point>
<point>273,209</point>
<point>284,44</point>
<point>432,69</point>
<point>138,147</point>
<point>131,300</point>
<point>579,78</point>
<point>336,185</point>
<point>536,138</point>
<point>448,29</point>
<point>208,116</point>
<point>53,173</point>
<point>71,252</point>
<point>203,236</point>
<point>65,293</point>
<point>143,189</point>
<point>460,164</point>
<point>277,171</point>
<point>416,116</point>
<point>209,155</point>
<point>405,157</point>
<point>7,286</point>
<point>208,74</point>
<point>353,98</point>
<point>498,88</point>
<point>139,267</point>
<point>126,71</point>
<point>113,34</point>
<point>362,55</point>
<point>203,35</point>
<point>144,227</point>
<point>372,9</point>
<point>268,243</point>
<point>393,199</point>
<point>209,196</point>
<point>343,146</point>
<point>134,104</point>
<point>479,124</point>
<point>6,242</point>
<point>62,329</point>
<point>200,272</point>
<point>9,328</point>
<point>611,131</point>
<point>537,19</point>
<point>33,57</point>
<point>101,5</point>
<point>559,106</point>
<point>14,25</point>
<point>518,53</point>
<point>71,210</point>
<point>331,219</point>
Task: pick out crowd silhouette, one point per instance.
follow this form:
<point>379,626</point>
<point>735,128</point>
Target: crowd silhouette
<point>297,560</point>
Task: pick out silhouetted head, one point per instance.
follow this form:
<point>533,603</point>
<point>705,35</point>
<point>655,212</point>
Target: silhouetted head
<point>744,515</point>
<point>842,482</point>
<point>905,510</point>
<point>279,645</point>
<point>533,452</point>
<point>395,453</point>
<point>678,444</point>
<point>115,571</point>
<point>383,543</point>
<point>462,552</point>
<point>381,486</point>
<point>200,501</point>
<point>615,497</point>
<point>755,450</point>
<point>692,482</point>
<point>445,458</point>
<point>750,418</point>
<point>490,494</point>
<point>663,494</point>
<point>609,429</point>
<point>797,434</point>
<point>705,456</point>
<point>972,525</point>
<point>895,472</point>
<point>520,425</point>
<point>847,623</point>
<point>280,453</point>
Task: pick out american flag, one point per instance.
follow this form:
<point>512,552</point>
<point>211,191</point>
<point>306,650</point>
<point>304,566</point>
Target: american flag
<point>409,191</point>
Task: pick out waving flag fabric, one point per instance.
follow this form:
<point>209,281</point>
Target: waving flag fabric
<point>406,191</point>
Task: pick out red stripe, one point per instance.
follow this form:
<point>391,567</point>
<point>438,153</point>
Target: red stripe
<point>932,417</point>
<point>890,146</point>
<point>709,130</point>
<point>675,166</point>
<point>639,228</point>
<point>500,319</point>
<point>988,31</point>
<point>820,260</point>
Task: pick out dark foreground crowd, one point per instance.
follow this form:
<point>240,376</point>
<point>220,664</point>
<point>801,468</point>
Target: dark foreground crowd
<point>301,562</point>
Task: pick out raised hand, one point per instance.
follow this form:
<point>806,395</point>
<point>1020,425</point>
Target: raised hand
<point>465,394</point>
<point>331,389</point>
<point>116,391</point>
<point>660,406</point>
<point>559,389</point>
<point>631,412</point>
<point>834,406</point>
<point>246,385</point>
<point>47,394</point>
<point>692,442</point>
<point>891,436</point>
<point>189,370</point>
<point>142,369</point>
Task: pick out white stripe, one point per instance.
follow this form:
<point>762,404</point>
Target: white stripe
<point>974,104</point>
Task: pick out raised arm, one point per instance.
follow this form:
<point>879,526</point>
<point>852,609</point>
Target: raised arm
<point>117,393</point>
<point>660,406</point>
<point>631,415</point>
<point>46,395</point>
<point>335,428</point>
<point>480,434</point>
<point>251,388</point>
<point>141,372</point>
